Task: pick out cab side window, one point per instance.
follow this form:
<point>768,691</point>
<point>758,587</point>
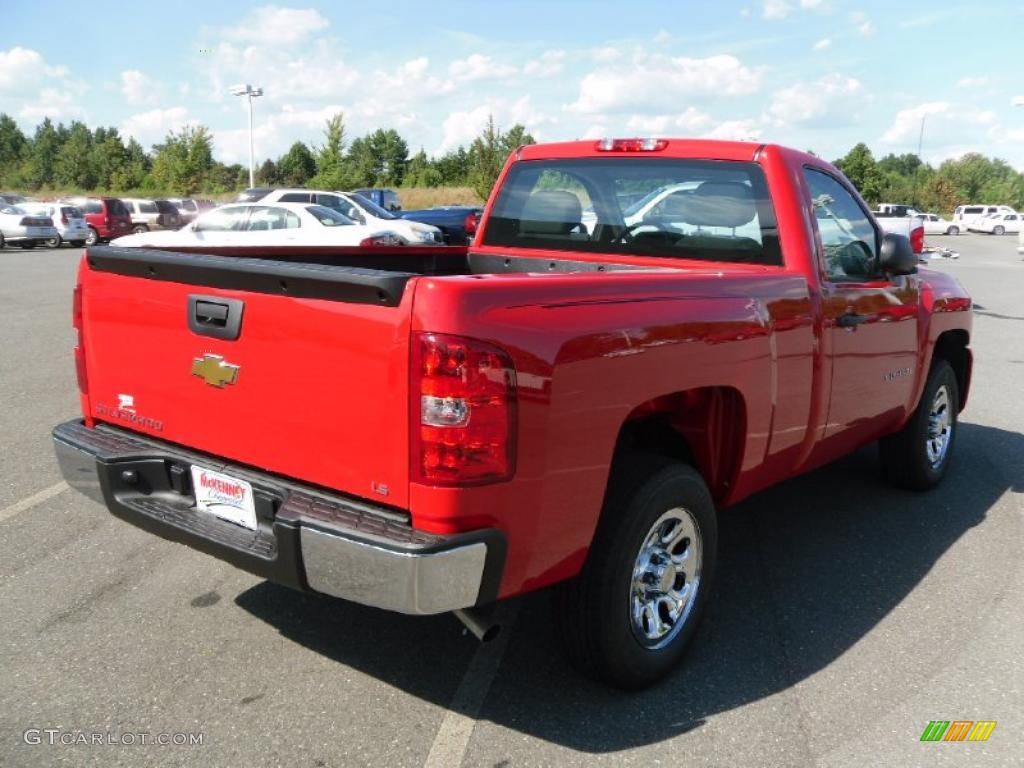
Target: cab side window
<point>847,235</point>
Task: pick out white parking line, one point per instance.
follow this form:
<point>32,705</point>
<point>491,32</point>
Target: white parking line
<point>452,739</point>
<point>36,498</point>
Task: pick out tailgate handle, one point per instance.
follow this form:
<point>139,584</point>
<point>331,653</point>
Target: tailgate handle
<point>215,316</point>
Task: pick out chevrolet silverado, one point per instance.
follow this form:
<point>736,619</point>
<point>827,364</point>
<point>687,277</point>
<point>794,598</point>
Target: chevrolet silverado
<point>437,429</point>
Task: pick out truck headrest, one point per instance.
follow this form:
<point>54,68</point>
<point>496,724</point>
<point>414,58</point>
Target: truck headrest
<point>551,212</point>
<point>721,204</point>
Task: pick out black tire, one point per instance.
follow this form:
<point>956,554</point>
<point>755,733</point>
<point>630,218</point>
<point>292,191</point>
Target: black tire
<point>953,231</point>
<point>93,237</point>
<point>905,457</point>
<point>998,230</point>
<point>596,609</point>
<point>138,229</point>
<point>53,242</point>
<point>2,241</point>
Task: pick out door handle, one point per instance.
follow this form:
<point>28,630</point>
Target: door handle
<point>851,320</point>
<point>215,316</point>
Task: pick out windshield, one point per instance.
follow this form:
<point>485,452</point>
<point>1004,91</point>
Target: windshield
<point>690,209</point>
<point>328,216</point>
<point>371,207</point>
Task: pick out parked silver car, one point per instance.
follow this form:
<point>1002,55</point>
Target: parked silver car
<point>19,227</point>
<point>67,219</point>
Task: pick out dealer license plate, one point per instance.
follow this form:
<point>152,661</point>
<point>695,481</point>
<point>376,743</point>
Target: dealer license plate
<point>224,496</point>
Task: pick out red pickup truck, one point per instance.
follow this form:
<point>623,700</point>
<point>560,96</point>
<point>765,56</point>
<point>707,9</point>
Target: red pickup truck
<point>568,401</point>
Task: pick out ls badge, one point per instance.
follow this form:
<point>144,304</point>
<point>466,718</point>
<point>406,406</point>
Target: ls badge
<point>214,371</point>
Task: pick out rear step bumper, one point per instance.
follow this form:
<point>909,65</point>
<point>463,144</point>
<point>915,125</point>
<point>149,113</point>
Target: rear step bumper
<point>306,539</point>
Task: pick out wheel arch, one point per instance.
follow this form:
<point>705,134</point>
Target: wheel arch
<point>704,427</point>
<point>952,346</point>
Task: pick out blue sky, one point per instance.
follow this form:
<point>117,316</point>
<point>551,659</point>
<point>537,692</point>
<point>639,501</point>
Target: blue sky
<point>815,74</point>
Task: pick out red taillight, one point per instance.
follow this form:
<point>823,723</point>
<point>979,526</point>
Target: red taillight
<point>76,322</point>
<point>470,223</point>
<point>917,239</point>
<point>463,411</point>
<point>631,145</point>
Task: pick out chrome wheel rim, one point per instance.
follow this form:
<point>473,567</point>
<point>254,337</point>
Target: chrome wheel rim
<point>940,428</point>
<point>666,578</point>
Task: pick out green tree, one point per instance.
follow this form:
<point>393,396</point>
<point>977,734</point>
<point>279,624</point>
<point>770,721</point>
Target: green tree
<point>453,168</point>
<point>420,172</point>
<point>13,148</point>
<point>489,152</point>
<point>861,169</point>
<point>110,160</point>
<point>74,167</point>
<point>43,153</point>
<point>330,158</point>
<point>267,175</point>
<point>297,166</point>
<point>390,154</point>
<point>182,164</point>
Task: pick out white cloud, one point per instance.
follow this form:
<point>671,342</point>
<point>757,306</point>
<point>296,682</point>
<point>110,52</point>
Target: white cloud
<point>22,69</point>
<point>547,64</point>
<point>689,121</point>
<point>151,127</point>
<point>745,13</point>
<point>972,82</point>
<point>651,80</point>
<point>662,37</point>
<point>479,67</point>
<point>817,103</point>
<point>822,44</point>
<point>861,23</point>
<point>461,127</point>
<point>813,5</point>
<point>946,125</point>
<point>605,54</point>
<point>55,103</point>
<point>747,129</point>
<point>776,9</point>
<point>274,26</point>
<point>139,88</point>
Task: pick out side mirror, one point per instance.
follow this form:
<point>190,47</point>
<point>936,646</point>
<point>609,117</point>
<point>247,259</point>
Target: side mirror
<point>896,256</point>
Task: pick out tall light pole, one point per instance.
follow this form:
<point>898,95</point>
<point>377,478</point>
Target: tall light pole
<point>251,93</point>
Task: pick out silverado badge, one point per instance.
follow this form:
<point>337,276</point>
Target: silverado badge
<point>214,371</point>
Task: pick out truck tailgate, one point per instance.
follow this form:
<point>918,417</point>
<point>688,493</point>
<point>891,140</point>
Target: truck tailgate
<point>314,387</point>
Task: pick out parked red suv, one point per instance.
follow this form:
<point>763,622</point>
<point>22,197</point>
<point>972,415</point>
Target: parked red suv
<point>107,217</point>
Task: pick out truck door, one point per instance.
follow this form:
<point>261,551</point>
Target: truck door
<point>870,320</point>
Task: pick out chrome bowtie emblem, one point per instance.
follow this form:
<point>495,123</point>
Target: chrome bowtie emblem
<point>214,371</point>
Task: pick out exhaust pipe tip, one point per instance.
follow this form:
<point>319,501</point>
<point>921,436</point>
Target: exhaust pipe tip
<point>480,622</point>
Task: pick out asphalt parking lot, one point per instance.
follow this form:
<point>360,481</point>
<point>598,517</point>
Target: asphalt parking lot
<point>846,617</point>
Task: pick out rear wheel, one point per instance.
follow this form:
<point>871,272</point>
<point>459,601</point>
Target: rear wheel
<point>953,231</point>
<point>93,237</point>
<point>2,241</point>
<point>918,455</point>
<point>998,230</point>
<point>139,229</point>
<point>53,242</point>
<point>630,614</point>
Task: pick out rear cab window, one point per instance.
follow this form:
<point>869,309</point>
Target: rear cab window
<point>707,210</point>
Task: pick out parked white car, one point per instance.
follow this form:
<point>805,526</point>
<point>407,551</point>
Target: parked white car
<point>936,225</point>
<point>355,207</point>
<point>67,219</point>
<point>965,215</point>
<point>997,224</point>
<point>19,227</point>
<point>260,224</point>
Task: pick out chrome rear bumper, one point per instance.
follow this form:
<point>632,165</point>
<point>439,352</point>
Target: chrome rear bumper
<point>306,539</point>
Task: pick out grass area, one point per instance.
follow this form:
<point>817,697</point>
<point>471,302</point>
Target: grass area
<point>413,198</point>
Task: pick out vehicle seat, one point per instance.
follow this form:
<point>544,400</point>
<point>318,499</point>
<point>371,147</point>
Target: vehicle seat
<point>553,213</point>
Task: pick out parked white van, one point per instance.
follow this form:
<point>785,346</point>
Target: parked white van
<point>966,215</point>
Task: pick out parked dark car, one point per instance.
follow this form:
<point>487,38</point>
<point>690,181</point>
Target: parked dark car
<point>456,222</point>
<point>385,198</point>
<point>107,217</point>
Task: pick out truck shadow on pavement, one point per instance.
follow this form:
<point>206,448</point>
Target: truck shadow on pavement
<point>806,570</point>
